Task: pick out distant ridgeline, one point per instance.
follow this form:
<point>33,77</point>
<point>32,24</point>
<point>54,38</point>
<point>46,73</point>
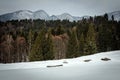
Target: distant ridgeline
<point>41,14</point>
<point>36,40</point>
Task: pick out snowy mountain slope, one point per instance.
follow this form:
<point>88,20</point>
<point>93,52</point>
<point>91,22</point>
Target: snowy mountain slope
<point>40,14</point>
<point>80,18</point>
<point>116,15</point>
<point>53,17</point>
<point>18,15</point>
<point>66,16</point>
<point>75,69</point>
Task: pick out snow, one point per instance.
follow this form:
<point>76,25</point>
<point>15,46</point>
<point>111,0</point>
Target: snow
<point>53,17</point>
<point>75,69</point>
<point>18,15</point>
<point>66,16</point>
<point>40,14</point>
<point>116,15</point>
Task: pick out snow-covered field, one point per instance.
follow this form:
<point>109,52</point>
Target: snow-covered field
<point>75,69</point>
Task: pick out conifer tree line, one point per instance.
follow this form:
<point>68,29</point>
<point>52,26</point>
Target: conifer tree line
<point>36,40</point>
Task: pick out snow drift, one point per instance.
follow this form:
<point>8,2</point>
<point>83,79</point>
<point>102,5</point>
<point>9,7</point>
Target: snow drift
<point>71,69</point>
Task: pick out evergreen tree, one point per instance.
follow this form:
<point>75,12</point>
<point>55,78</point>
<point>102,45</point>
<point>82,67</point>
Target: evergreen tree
<point>90,32</point>
<point>60,30</point>
<point>112,17</point>
<point>73,47</point>
<point>81,44</point>
<point>43,47</point>
<point>30,40</point>
<point>36,51</point>
<point>106,37</point>
<point>49,52</point>
<point>106,16</point>
<point>90,46</point>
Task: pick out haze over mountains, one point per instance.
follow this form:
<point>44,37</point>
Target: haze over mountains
<point>41,14</point>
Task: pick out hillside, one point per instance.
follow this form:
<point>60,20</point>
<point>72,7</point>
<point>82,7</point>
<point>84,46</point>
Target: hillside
<point>74,69</point>
<point>37,40</point>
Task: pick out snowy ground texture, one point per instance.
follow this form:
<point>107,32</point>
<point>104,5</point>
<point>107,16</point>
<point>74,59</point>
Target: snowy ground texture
<point>72,69</point>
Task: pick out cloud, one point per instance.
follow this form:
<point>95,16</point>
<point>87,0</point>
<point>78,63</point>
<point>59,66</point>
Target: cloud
<point>74,7</point>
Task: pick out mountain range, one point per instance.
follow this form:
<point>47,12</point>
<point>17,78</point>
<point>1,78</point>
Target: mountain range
<point>41,14</point>
<point>116,15</point>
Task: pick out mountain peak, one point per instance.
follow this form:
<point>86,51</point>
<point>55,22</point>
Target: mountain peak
<point>41,14</point>
<point>40,11</point>
<point>66,16</point>
<point>53,17</point>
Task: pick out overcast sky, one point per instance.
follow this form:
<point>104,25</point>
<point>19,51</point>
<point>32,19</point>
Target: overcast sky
<point>56,7</point>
